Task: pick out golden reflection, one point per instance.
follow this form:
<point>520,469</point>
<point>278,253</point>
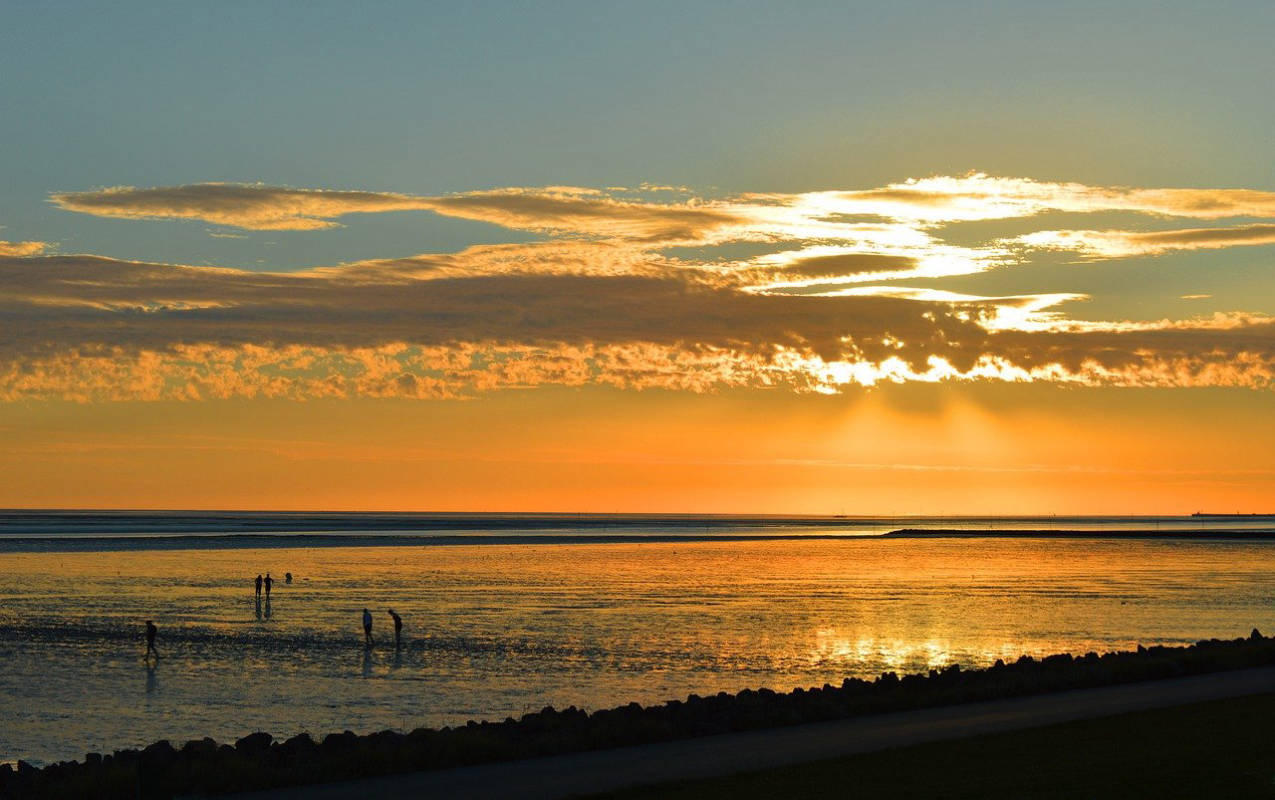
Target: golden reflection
<point>901,655</point>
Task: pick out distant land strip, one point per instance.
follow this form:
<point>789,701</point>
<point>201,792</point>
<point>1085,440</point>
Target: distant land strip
<point>1130,533</point>
<point>1210,515</point>
<point>80,543</point>
<point>75,544</point>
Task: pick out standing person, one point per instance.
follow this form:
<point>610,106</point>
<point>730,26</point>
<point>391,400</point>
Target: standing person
<point>258,584</point>
<point>367,628</point>
<point>398,627</point>
<point>269,583</point>
<point>151,630</point>
<point>287,577</point>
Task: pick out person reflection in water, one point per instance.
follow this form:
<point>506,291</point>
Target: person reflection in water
<point>398,628</point>
<point>151,630</point>
<point>267,605</point>
<point>258,607</point>
<point>367,628</point>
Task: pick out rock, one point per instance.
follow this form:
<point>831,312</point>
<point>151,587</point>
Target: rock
<point>199,748</point>
<point>254,743</point>
<point>301,741</point>
<point>158,755</point>
<point>340,741</point>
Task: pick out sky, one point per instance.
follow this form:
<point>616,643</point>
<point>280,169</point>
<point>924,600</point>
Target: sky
<point>821,258</point>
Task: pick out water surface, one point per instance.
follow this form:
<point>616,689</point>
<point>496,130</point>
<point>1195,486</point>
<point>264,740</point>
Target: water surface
<point>498,629</point>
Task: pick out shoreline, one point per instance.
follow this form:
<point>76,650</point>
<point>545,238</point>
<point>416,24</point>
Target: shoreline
<point>81,543</point>
<point>257,761</point>
<point>214,541</point>
<point>1197,534</point>
<point>650,769</point>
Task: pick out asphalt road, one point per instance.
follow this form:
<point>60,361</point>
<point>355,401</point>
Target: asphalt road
<point>713,756</point>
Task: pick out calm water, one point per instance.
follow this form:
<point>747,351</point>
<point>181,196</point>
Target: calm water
<point>497,629</point>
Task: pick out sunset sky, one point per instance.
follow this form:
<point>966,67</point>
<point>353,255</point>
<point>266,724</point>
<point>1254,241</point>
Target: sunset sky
<point>933,258</point>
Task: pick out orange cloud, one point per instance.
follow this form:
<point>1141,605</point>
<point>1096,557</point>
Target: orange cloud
<point>257,207</point>
<point>887,233</point>
<point>1114,244</point>
<point>91,328</point>
<point>983,197</point>
<point>21,248</point>
<point>250,206</point>
<point>603,301</point>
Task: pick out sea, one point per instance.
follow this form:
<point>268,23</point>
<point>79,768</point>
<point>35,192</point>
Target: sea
<point>504,614</point>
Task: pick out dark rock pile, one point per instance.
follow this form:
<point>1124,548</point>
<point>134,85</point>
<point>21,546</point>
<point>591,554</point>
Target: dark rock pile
<point>258,761</point>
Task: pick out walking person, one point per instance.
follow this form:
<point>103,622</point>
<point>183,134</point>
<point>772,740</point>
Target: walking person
<point>258,584</point>
<point>151,630</point>
<point>398,627</point>
<point>367,628</point>
<point>269,582</point>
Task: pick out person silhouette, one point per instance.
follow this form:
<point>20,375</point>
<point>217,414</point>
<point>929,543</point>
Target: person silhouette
<point>151,630</point>
<point>258,584</point>
<point>269,583</point>
<point>367,628</point>
<point>398,627</point>
<point>287,577</point>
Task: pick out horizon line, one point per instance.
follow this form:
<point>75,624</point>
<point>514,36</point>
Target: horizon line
<point>652,514</point>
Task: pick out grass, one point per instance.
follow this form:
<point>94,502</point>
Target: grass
<point>1219,749</point>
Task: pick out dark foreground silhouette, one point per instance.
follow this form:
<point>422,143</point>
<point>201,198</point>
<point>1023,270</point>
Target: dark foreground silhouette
<point>1201,751</point>
<point>257,761</point>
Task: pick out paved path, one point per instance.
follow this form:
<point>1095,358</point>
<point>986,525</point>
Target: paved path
<point>711,756</point>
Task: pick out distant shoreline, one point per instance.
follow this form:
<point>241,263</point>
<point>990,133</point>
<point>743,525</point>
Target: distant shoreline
<point>1209,515</point>
<point>72,543</point>
<point>76,544</point>
<point>64,542</point>
<point>87,531</point>
<point>1203,534</point>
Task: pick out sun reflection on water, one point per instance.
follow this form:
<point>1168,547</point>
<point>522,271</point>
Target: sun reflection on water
<point>491,630</point>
